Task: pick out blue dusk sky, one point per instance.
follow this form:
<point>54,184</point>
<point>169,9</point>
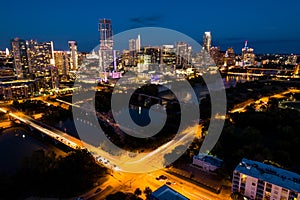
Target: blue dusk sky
<point>270,26</point>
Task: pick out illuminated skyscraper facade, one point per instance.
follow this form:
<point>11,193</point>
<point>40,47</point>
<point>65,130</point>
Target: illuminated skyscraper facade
<point>138,43</point>
<point>106,46</point>
<point>132,45</point>
<point>73,55</point>
<point>207,38</point>
<point>248,55</point>
<point>62,62</point>
<point>106,34</point>
<point>41,55</point>
<point>183,54</point>
<point>217,56</point>
<point>51,78</point>
<point>230,57</point>
<point>20,62</point>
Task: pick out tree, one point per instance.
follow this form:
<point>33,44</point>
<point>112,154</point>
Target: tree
<point>46,174</point>
<point>137,192</point>
<point>16,104</point>
<point>237,196</point>
<point>116,196</point>
<point>147,191</point>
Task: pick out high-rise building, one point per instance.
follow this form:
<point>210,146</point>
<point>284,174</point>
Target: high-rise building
<point>41,55</point>
<point>51,77</point>
<point>73,55</point>
<point>248,56</point>
<point>20,63</point>
<point>6,59</point>
<point>106,34</point>
<point>135,44</point>
<point>217,56</point>
<point>6,52</point>
<point>106,47</point>
<point>132,45</point>
<point>134,50</point>
<point>229,58</point>
<point>184,54</point>
<point>127,59</point>
<point>138,43</point>
<point>62,62</point>
<point>168,55</point>
<point>260,181</point>
<point>207,38</point>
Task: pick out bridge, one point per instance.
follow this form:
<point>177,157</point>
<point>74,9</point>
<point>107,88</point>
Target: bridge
<point>57,135</point>
<point>269,69</point>
<point>244,74</point>
<point>123,160</point>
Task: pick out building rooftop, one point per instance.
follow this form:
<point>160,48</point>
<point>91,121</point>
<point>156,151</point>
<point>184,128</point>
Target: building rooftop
<point>209,159</point>
<point>269,173</point>
<point>167,193</point>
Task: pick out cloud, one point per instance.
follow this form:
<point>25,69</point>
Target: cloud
<point>141,21</point>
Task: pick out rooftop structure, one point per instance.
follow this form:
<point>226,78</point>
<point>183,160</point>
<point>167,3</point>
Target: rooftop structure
<point>207,162</point>
<point>166,193</point>
<point>257,180</point>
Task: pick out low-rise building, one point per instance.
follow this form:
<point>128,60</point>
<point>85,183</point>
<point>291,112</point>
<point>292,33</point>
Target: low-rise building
<point>207,162</point>
<point>17,89</point>
<point>260,181</point>
<point>165,192</point>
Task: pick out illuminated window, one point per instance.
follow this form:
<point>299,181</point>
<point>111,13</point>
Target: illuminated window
<point>243,178</point>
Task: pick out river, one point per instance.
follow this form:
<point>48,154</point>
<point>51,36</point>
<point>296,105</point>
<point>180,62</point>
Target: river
<point>15,145</point>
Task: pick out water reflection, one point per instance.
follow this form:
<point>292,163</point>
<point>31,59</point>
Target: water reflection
<point>15,145</point>
<point>232,80</point>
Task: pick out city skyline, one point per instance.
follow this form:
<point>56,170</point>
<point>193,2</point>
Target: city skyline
<point>150,100</point>
<point>269,27</point>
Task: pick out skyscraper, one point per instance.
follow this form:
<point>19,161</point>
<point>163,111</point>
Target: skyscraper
<point>183,54</point>
<point>138,43</point>
<point>248,55</point>
<point>230,57</point>
<point>51,78</point>
<point>207,41</point>
<point>73,55</point>
<point>106,34</point>
<point>62,62</point>
<point>40,55</point>
<point>217,56</point>
<point>132,45</point>
<point>135,44</point>
<point>106,46</point>
<point>20,62</point>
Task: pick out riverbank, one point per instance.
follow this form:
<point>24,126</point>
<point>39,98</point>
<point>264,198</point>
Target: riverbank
<point>16,143</point>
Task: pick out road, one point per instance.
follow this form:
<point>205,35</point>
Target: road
<point>128,182</point>
<point>120,180</point>
<point>241,107</point>
<point>125,162</point>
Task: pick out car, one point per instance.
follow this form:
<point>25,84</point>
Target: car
<point>98,190</point>
<point>168,183</point>
<point>163,177</point>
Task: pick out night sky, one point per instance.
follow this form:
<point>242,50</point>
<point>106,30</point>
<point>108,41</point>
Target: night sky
<point>270,26</point>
